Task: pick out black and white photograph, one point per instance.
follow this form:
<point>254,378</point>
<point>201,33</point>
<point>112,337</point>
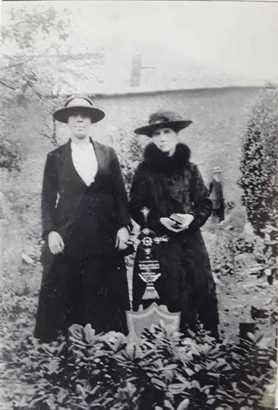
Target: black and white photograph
<point>138,205</point>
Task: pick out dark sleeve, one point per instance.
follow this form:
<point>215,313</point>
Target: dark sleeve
<point>138,196</point>
<point>119,192</point>
<point>200,198</point>
<point>221,193</point>
<point>49,195</point>
<point>210,187</point>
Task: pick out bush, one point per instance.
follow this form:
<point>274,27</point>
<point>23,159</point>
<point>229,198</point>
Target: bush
<point>163,371</point>
<point>9,156</point>
<point>235,250</point>
<point>259,162</point>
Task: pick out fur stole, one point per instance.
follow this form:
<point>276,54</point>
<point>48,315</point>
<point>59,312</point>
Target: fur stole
<point>156,160</point>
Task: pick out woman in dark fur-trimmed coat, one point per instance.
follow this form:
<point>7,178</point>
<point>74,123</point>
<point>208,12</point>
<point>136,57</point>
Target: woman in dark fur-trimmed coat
<point>172,188</point>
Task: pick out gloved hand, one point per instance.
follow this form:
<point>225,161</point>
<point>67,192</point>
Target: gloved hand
<point>122,238</point>
<point>55,243</point>
<point>177,222</point>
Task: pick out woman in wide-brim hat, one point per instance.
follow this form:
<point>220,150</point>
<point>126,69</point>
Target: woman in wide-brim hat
<point>172,188</point>
<point>84,222</point>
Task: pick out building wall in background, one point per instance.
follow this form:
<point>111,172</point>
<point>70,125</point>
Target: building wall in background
<point>219,119</point>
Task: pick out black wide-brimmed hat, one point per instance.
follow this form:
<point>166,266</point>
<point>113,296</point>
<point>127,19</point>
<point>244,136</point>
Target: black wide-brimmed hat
<point>163,119</point>
<point>74,104</point>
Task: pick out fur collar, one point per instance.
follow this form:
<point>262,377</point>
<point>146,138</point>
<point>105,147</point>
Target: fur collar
<point>158,161</point>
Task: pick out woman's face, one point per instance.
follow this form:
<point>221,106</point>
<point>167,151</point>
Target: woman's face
<point>79,124</point>
<point>165,139</point>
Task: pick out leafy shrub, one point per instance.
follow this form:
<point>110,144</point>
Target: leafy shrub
<point>230,247</point>
<point>252,372</point>
<point>9,156</point>
<point>259,163</point>
<point>237,249</point>
<point>163,371</point>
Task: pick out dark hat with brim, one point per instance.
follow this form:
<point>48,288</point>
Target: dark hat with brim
<point>76,104</point>
<point>163,119</point>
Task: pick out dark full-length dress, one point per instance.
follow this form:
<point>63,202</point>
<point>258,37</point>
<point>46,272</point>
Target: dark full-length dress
<point>87,282</point>
<point>166,185</point>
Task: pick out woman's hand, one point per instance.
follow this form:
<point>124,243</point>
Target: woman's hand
<point>177,222</point>
<point>170,224</point>
<point>122,238</point>
<point>184,220</point>
<point>55,243</point>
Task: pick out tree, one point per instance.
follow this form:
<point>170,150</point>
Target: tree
<point>25,78</point>
<point>26,41</point>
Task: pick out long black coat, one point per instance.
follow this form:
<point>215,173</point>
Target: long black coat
<point>166,185</point>
<point>87,283</point>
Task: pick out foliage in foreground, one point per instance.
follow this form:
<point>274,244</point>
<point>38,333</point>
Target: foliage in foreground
<point>163,371</point>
